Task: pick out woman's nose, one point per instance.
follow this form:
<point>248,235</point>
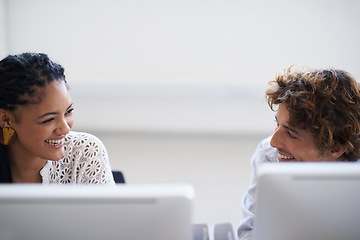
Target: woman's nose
<point>63,127</point>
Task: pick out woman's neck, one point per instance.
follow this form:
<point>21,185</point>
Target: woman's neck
<point>24,168</point>
<point>25,176</point>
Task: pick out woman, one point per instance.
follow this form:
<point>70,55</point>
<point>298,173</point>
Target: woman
<point>36,115</point>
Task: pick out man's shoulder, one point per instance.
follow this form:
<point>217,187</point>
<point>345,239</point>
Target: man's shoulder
<point>265,143</point>
<point>265,147</point>
<point>265,152</point>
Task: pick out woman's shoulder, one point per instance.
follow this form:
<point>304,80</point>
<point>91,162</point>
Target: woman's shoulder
<point>85,160</point>
<point>82,144</point>
<point>83,141</point>
<point>81,138</point>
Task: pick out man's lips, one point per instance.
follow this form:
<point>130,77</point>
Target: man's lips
<point>284,157</point>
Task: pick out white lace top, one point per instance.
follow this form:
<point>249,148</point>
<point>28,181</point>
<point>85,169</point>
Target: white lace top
<point>85,161</point>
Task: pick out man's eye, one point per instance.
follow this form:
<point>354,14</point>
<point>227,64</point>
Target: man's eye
<point>277,123</point>
<point>291,136</point>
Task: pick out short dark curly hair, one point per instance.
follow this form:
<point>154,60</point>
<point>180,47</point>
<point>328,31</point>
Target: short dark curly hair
<point>22,79</point>
<point>326,102</point>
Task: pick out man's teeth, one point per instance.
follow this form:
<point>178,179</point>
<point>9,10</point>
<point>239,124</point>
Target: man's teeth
<point>54,141</point>
<point>285,157</point>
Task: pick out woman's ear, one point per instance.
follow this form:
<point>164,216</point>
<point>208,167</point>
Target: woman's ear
<point>4,118</point>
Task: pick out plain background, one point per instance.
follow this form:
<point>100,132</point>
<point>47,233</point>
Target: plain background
<point>174,88</point>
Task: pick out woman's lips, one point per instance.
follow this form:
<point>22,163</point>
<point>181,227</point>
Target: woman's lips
<point>55,142</point>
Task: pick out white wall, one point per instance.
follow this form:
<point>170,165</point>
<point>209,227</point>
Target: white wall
<point>3,28</point>
<point>226,42</point>
<point>183,65</point>
<point>176,86</point>
<point>218,166</point>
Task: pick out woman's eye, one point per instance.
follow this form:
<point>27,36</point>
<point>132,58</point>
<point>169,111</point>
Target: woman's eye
<point>69,111</point>
<point>48,120</point>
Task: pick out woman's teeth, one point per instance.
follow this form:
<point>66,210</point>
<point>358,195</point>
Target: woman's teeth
<point>54,141</point>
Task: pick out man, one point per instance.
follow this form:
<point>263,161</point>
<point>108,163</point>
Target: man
<point>317,118</point>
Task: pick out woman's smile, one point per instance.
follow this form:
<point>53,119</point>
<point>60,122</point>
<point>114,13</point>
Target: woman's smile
<point>55,143</point>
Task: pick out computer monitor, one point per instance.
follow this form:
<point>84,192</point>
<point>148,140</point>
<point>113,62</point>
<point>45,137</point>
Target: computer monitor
<point>78,212</point>
<point>312,201</point>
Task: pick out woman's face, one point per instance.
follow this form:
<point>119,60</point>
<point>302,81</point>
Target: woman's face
<point>41,128</point>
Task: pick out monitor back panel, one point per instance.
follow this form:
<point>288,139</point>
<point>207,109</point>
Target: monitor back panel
<point>36,212</point>
<point>308,201</point>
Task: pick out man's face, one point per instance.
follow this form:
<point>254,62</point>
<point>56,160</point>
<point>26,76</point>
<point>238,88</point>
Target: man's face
<point>294,144</point>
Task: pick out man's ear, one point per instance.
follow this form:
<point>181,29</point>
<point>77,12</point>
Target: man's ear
<point>337,151</point>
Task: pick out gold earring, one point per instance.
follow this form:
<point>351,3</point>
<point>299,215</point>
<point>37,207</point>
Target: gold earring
<point>7,135</point>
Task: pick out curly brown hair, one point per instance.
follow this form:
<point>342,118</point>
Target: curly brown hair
<point>326,102</point>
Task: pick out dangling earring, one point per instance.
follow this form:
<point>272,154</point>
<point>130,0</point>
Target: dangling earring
<point>7,135</point>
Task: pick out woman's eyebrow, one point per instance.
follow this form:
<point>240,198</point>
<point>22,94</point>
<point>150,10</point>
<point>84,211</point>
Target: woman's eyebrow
<point>54,113</point>
<point>70,106</point>
<point>47,114</point>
